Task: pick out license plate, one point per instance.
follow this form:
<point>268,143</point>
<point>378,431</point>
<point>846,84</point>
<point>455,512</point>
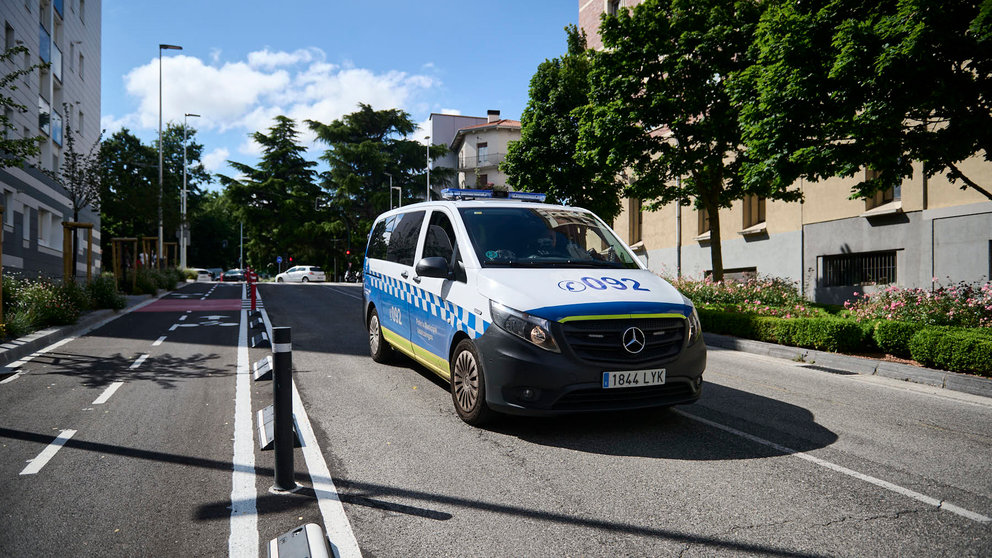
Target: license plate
<point>633,378</point>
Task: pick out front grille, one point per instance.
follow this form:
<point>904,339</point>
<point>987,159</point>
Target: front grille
<point>602,340</point>
<point>621,398</point>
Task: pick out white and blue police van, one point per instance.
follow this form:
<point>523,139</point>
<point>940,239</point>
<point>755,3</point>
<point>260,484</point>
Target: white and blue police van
<point>527,308</point>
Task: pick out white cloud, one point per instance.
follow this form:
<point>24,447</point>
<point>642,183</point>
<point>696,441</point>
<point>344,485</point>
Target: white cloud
<point>265,59</point>
<point>216,159</point>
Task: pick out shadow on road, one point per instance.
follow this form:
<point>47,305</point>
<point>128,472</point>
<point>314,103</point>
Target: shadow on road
<point>101,371</point>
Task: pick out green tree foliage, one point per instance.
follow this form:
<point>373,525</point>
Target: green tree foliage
<point>840,86</point>
<point>14,150</point>
<point>277,201</point>
<point>214,230</point>
<point>660,108</point>
<point>129,184</point>
<point>363,147</point>
<point>128,188</point>
<point>545,158</point>
<point>80,175</point>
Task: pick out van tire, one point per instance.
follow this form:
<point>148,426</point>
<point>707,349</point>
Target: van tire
<point>380,350</point>
<point>468,385</point>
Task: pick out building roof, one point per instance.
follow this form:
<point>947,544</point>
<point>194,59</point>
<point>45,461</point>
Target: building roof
<point>494,125</point>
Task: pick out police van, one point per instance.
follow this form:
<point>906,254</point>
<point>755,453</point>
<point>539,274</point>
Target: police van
<point>527,308</point>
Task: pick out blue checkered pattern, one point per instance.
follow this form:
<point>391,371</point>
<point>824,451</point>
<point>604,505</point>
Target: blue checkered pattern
<point>452,314</point>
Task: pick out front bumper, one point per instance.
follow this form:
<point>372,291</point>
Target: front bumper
<point>525,380</point>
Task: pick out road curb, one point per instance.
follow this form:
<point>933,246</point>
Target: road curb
<point>844,364</point>
<point>21,347</point>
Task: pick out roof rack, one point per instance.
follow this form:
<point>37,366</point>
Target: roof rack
<point>470,194</point>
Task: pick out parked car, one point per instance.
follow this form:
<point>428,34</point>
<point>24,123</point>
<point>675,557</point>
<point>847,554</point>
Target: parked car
<point>301,274</point>
<point>204,275</point>
<point>215,273</point>
<point>232,275</point>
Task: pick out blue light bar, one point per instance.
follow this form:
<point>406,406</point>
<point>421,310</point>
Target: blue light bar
<point>465,193</point>
<point>468,194</point>
<point>527,196</point>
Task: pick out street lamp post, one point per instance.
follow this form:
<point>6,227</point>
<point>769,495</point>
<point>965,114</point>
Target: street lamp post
<point>390,189</point>
<point>183,230</point>
<point>161,47</point>
<point>428,140</point>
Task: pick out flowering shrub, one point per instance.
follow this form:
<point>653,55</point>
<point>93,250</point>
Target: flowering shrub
<point>764,296</point>
<point>960,304</point>
<point>32,304</point>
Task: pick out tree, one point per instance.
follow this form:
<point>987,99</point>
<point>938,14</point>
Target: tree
<point>13,150</point>
<point>128,188</point>
<point>80,175</point>
<point>842,86</point>
<point>545,158</point>
<point>276,201</point>
<point>660,109</point>
<point>172,182</point>
<point>363,147</point>
<point>214,226</point>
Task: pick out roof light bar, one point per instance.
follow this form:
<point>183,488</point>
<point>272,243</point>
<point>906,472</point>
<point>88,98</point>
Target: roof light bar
<point>471,194</point>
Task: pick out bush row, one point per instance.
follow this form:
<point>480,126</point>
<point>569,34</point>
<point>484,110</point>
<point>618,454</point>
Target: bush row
<point>30,305</point>
<point>948,348</point>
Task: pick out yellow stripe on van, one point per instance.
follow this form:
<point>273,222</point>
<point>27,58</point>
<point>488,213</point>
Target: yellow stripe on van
<point>618,317</point>
<point>433,362</point>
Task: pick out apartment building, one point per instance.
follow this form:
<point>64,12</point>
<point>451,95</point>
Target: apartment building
<point>832,246</point>
<point>480,148</point>
<point>66,34</point>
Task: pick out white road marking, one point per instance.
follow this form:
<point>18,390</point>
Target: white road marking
<point>158,341</point>
<point>336,524</point>
<point>173,328</point>
<point>107,393</point>
<point>929,500</point>
<point>48,453</point>
<point>19,363</point>
<point>138,362</point>
<point>243,541</point>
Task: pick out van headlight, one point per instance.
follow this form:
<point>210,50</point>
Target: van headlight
<point>695,328</point>
<point>523,325</point>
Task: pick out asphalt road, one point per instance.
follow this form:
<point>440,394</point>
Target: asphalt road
<point>774,460</point>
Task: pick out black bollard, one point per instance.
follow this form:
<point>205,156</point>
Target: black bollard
<point>282,391</point>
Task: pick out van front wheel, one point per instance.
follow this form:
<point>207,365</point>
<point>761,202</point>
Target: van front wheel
<point>468,385</point>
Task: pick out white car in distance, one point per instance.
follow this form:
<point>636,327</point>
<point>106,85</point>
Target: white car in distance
<point>301,274</point>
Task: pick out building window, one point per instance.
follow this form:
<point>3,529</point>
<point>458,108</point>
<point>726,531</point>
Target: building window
<point>483,151</point>
<point>612,7</point>
<point>8,208</point>
<point>866,268</point>
<point>81,60</point>
<point>9,128</point>
<point>482,180</point>
<point>57,128</point>
<point>79,123</point>
<point>82,11</point>
<point>8,37</point>
<point>49,226</point>
<point>881,197</point>
<point>636,221</point>
<point>44,116</point>
<point>754,211</point>
<point>704,221</point>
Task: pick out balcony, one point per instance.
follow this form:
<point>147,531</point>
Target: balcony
<point>480,162</point>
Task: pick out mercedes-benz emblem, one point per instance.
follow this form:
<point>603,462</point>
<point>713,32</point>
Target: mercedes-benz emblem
<point>633,340</point>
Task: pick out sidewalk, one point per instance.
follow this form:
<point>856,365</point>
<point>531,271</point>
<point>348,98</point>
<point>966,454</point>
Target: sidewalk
<point>17,349</point>
<point>844,364</point>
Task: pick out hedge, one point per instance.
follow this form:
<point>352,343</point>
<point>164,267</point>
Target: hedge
<point>826,334</point>
<point>955,349</point>
<point>949,348</point>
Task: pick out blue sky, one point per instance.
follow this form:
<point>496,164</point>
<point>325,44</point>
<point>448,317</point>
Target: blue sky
<point>245,62</point>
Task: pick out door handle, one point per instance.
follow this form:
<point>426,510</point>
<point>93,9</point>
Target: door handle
<point>404,275</point>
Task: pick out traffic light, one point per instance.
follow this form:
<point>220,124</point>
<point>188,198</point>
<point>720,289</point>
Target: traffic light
<point>291,259</point>
<point>347,252</point>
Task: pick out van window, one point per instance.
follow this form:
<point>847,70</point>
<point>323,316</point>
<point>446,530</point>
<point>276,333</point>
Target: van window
<point>528,237</point>
<point>402,241</point>
<point>379,238</point>
<point>440,241</point>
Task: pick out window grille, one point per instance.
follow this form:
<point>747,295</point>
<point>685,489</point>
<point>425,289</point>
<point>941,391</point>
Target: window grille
<point>878,268</point>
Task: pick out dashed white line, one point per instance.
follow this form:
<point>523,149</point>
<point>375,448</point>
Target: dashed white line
<point>173,328</point>
<point>48,453</point>
<point>929,500</point>
<point>138,362</point>
<point>108,392</point>
<point>158,341</point>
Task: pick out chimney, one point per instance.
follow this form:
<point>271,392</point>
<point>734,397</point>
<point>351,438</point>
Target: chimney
<point>493,116</point>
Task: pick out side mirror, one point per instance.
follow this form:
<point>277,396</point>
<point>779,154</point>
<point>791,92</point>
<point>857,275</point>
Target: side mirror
<point>433,267</point>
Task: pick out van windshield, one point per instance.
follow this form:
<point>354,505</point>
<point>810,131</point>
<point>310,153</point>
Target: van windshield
<point>532,237</point>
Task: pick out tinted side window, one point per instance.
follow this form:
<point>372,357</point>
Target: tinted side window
<point>378,239</point>
<point>403,241</point>
<point>440,241</point>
